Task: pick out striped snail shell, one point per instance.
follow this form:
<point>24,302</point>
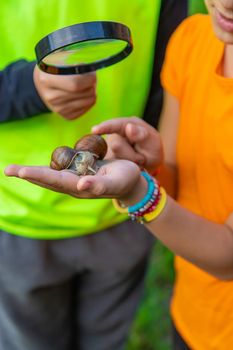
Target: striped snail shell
<point>84,159</point>
<point>62,157</point>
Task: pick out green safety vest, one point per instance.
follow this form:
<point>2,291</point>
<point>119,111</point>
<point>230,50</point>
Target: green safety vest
<point>122,90</point>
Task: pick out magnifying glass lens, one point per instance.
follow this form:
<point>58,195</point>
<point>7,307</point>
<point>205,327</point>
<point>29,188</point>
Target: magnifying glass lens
<point>85,52</point>
<point>84,47</point>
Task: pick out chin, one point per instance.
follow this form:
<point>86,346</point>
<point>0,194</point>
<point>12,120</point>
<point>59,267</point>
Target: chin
<point>225,37</point>
<point>222,35</point>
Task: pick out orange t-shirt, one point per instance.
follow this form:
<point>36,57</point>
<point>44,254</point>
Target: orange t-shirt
<point>202,305</point>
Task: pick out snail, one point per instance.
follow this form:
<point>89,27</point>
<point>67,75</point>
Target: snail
<point>84,159</point>
<point>94,144</point>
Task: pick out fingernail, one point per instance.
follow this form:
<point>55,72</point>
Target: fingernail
<point>84,185</point>
<point>141,132</point>
<point>94,128</point>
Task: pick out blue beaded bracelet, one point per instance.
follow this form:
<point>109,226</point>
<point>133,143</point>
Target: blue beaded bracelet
<point>148,197</point>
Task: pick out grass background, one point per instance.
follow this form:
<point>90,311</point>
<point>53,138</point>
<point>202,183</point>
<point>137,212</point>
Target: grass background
<point>151,329</point>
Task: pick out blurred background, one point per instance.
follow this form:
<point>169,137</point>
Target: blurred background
<point>151,329</point>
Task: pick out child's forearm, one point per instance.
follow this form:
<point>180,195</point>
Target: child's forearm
<point>202,242</point>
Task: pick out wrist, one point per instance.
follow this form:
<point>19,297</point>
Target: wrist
<point>136,194</point>
<point>140,204</point>
<point>38,88</point>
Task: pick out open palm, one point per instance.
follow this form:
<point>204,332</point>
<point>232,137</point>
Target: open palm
<point>113,180</point>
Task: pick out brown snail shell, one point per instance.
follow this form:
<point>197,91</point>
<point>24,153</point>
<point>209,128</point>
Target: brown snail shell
<point>85,159</point>
<point>95,144</point>
<point>62,157</point>
<point>79,162</point>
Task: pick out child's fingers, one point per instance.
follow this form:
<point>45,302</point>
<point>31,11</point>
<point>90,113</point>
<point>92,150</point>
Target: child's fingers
<point>136,133</point>
<point>12,170</point>
<point>97,186</point>
<point>111,126</point>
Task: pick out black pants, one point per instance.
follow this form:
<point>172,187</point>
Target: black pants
<point>71,294</point>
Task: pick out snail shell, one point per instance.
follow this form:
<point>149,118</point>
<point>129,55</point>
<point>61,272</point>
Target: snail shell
<point>85,159</point>
<point>94,144</point>
<point>62,157</point>
<point>79,162</point>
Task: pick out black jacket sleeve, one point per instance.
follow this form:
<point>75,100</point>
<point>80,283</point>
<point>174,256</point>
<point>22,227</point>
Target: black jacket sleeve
<point>18,96</point>
<point>171,14</point>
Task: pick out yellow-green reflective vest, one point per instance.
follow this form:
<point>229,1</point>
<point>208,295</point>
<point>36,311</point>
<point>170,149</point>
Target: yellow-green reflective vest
<point>31,211</point>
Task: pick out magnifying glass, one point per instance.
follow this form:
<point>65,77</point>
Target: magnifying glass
<point>84,47</point>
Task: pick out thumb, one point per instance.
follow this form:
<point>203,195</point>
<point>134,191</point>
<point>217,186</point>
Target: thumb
<point>135,133</point>
<point>96,185</point>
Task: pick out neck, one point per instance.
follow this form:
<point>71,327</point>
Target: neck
<point>228,62</point>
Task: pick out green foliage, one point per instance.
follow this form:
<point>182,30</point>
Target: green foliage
<point>151,329</point>
<point>197,6</point>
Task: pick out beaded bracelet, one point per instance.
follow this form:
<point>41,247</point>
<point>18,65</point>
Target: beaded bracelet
<point>158,209</point>
<point>150,206</point>
<point>149,198</point>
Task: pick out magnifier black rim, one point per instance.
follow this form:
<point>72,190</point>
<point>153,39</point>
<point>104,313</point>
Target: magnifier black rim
<point>78,33</point>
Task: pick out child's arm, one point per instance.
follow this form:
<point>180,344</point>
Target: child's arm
<point>202,242</point>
